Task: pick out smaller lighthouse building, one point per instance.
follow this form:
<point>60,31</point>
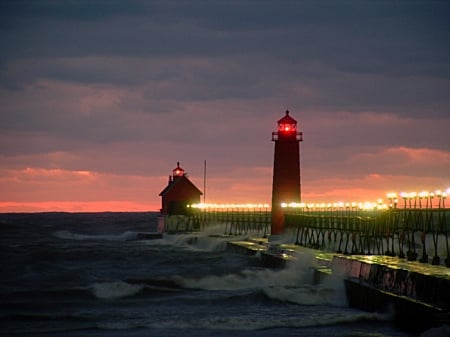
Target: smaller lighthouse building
<point>179,193</point>
<point>176,197</point>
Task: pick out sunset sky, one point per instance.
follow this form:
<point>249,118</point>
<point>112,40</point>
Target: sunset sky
<point>100,99</point>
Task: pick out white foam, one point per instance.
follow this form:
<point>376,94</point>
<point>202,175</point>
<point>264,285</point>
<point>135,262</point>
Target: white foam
<point>209,240</point>
<point>253,322</point>
<point>292,284</point>
<point>67,235</point>
<point>115,290</point>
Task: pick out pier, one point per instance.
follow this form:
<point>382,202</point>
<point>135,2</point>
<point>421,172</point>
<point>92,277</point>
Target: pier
<point>413,231</point>
<point>393,258</point>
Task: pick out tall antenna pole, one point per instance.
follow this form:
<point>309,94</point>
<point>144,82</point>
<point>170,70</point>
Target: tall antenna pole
<point>204,182</point>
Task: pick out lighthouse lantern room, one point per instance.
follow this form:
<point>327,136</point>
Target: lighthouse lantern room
<point>177,171</point>
<point>287,128</point>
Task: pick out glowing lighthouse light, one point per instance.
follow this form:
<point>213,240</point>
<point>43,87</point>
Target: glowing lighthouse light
<point>178,171</point>
<point>287,124</point>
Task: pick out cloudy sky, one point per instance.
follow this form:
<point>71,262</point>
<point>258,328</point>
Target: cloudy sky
<point>100,99</point>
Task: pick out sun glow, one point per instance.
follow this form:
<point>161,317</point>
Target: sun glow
<point>76,206</point>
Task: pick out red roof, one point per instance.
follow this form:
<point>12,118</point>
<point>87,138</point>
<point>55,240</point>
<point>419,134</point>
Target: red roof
<point>287,119</point>
<point>183,180</point>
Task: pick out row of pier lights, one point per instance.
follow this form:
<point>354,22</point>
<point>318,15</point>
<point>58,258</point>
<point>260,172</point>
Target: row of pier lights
<point>398,227</point>
<point>423,200</point>
<point>230,207</point>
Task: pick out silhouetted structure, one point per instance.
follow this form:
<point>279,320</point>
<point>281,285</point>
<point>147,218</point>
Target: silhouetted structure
<point>179,193</point>
<point>286,169</point>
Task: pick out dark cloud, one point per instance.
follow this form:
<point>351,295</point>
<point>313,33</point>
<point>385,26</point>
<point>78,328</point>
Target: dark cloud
<point>67,10</point>
<point>83,81</point>
<point>344,31</point>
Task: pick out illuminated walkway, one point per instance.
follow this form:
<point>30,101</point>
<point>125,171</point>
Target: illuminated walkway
<point>393,257</point>
<point>416,229</point>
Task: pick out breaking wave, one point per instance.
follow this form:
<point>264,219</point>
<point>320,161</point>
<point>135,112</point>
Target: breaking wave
<point>115,290</point>
<point>67,235</point>
<point>251,323</point>
<point>293,284</point>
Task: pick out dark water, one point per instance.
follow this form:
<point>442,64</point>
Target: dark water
<point>69,274</point>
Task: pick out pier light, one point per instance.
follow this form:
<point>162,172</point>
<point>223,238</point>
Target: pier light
<point>371,205</point>
<point>404,196</point>
<point>423,194</point>
<point>393,201</point>
<point>430,199</point>
<point>382,207</point>
<point>442,195</point>
<point>284,204</point>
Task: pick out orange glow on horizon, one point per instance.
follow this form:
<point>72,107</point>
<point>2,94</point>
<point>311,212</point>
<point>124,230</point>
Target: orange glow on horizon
<point>58,190</point>
<point>76,206</point>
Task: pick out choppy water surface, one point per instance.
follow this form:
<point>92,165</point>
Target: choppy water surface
<point>69,274</point>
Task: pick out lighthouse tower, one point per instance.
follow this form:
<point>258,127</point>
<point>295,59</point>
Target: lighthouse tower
<point>286,169</point>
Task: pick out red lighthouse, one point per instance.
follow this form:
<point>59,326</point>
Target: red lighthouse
<point>286,169</point>
<point>179,193</point>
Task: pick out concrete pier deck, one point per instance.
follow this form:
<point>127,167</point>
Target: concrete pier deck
<point>416,294</point>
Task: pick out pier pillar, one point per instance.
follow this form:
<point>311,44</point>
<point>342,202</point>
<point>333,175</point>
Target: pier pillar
<point>286,169</point>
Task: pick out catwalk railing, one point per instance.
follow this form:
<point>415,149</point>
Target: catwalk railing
<point>236,220</point>
<point>414,233</point>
